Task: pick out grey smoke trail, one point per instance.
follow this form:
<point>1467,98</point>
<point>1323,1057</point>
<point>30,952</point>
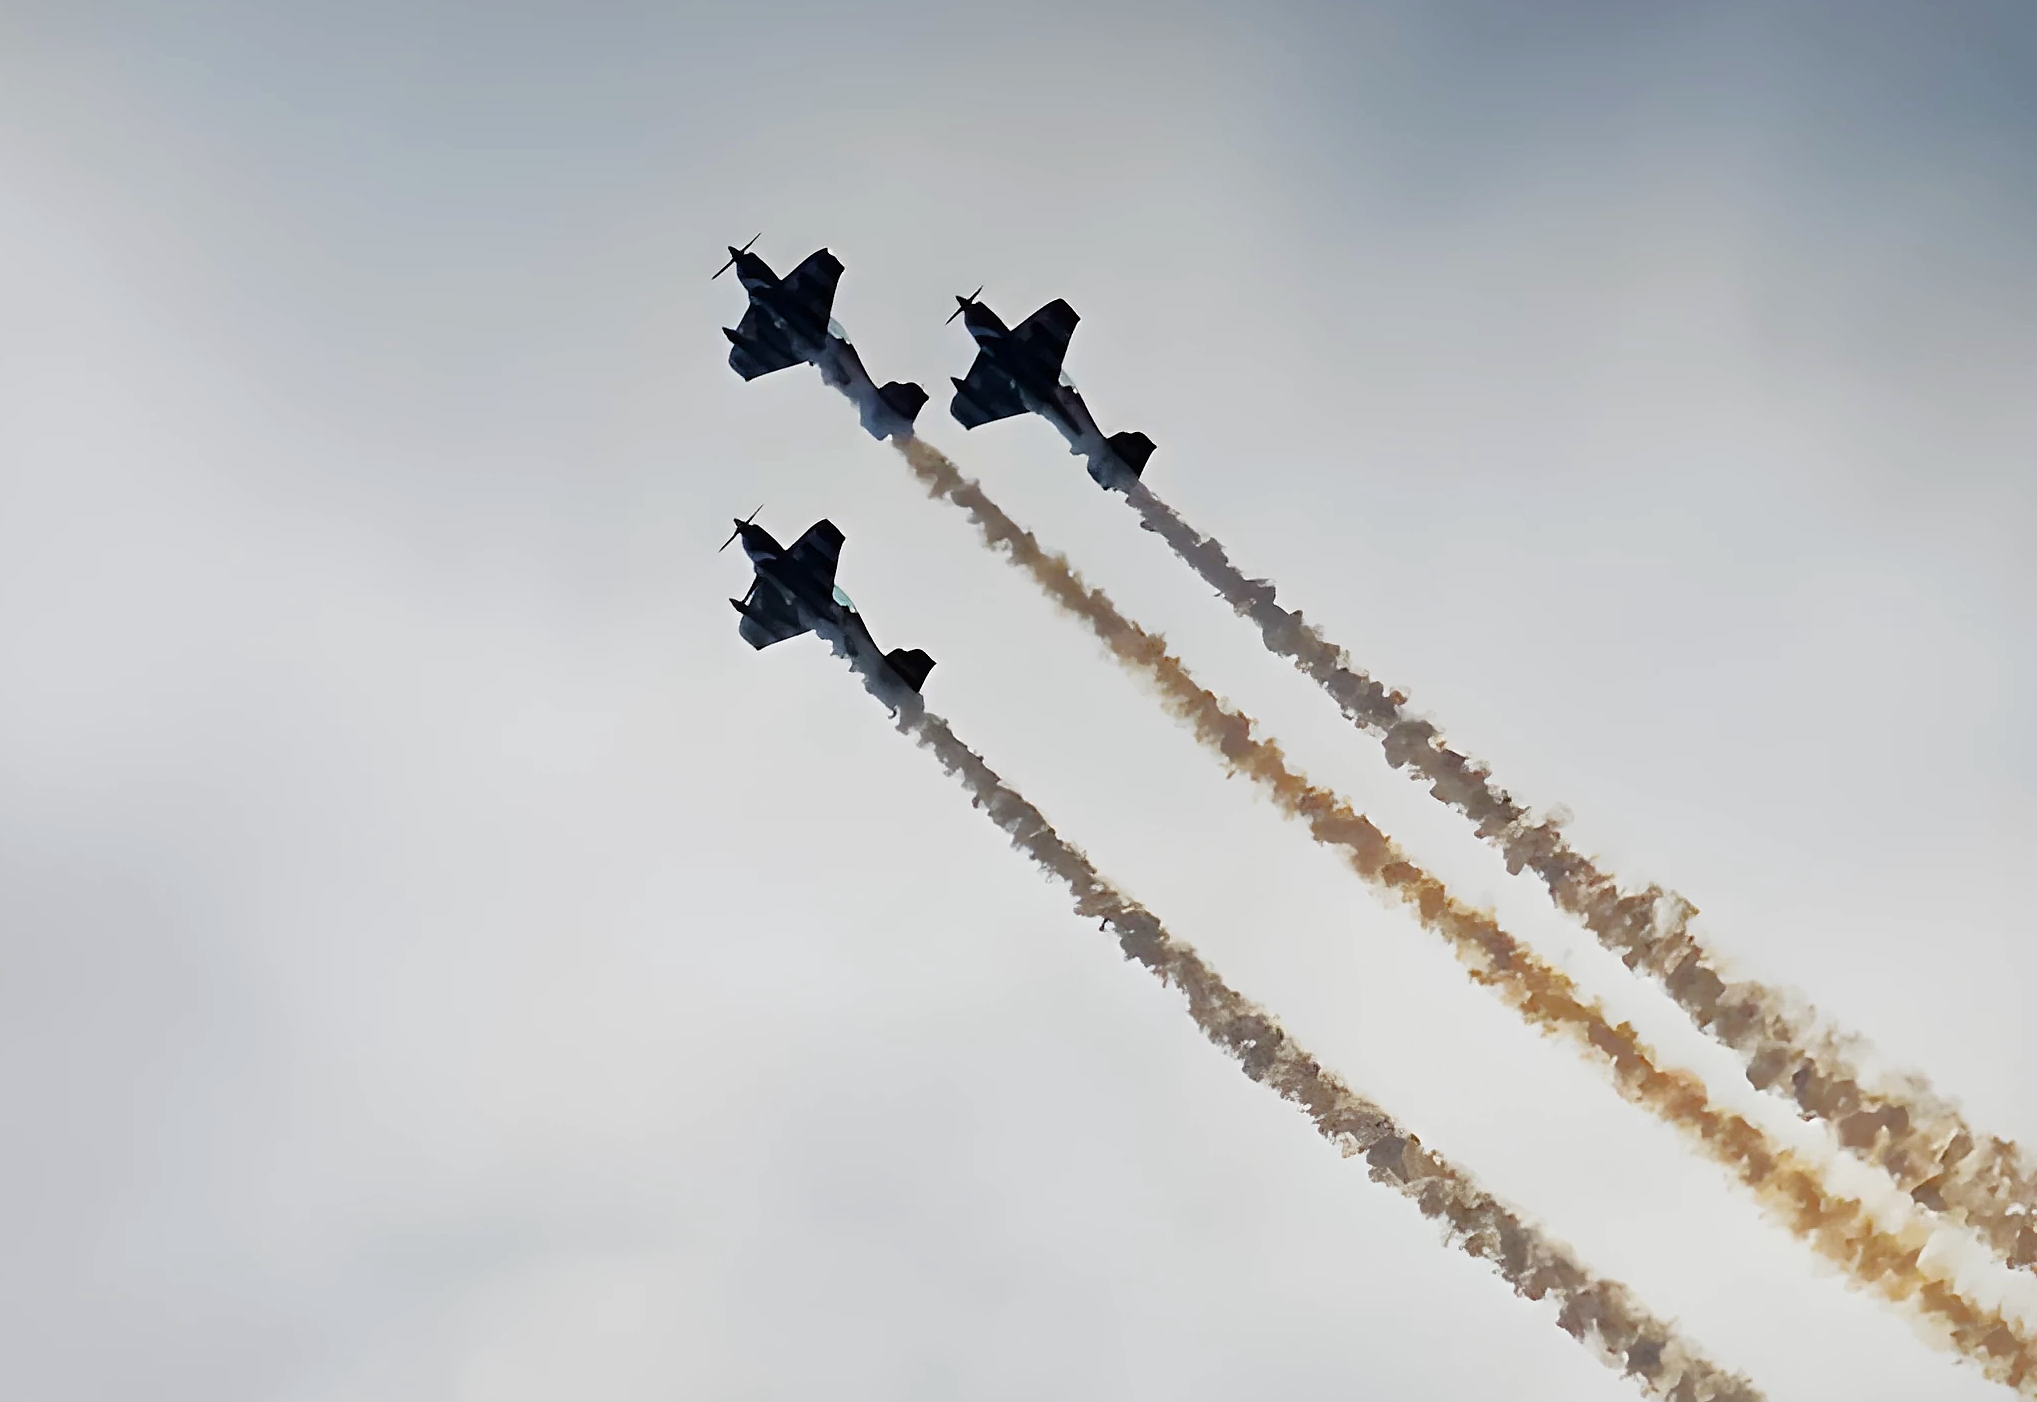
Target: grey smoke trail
<point>1601,1314</point>
<point>1788,1187</point>
<point>1901,1125</point>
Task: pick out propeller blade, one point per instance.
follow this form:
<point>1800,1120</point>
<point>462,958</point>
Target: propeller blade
<point>962,304</point>
<point>735,254</point>
<point>739,528</point>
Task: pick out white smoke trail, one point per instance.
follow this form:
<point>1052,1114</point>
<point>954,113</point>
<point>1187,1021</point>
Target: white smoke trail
<point>1900,1124</point>
<point>1601,1314</point>
<point>1791,1189</point>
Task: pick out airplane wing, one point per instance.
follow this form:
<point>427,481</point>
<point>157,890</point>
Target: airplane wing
<point>818,550</point>
<point>768,617</point>
<point>985,396</point>
<point>757,346</point>
<point>1045,333</point>
<point>812,283</point>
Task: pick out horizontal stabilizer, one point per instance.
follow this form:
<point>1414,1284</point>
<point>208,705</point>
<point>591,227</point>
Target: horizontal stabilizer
<point>904,399</point>
<point>911,664</point>
<point>1132,450</point>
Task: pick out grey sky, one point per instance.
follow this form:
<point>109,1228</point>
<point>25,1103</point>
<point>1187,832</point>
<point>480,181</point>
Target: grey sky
<point>439,960</point>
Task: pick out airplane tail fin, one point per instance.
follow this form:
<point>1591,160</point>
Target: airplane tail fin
<point>1132,449</point>
<point>904,399</point>
<point>912,665</point>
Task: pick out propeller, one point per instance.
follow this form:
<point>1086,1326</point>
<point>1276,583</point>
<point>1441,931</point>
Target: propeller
<point>962,303</point>
<point>739,529</point>
<point>735,253</point>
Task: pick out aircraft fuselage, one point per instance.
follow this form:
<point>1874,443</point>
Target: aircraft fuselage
<point>1046,391</point>
<point>823,344</point>
<point>824,609</point>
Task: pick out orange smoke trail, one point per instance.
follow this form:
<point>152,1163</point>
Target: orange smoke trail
<point>1918,1137</point>
<point>1788,1187</point>
<point>1601,1314</point>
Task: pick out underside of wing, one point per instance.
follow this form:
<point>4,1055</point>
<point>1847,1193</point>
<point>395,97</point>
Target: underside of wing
<point>985,396</point>
<point>758,347</point>
<point>818,551</point>
<point>768,617</point>
<point>812,283</point>
<point>1046,332</point>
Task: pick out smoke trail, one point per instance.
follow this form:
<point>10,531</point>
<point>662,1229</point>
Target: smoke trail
<point>1908,1130</point>
<point>1601,1314</point>
<point>1789,1188</point>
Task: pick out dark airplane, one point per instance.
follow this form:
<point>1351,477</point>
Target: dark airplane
<point>1018,369</point>
<point>788,324</point>
<point>795,592</point>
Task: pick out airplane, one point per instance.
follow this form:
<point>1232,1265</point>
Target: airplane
<point>1018,369</point>
<point>789,323</point>
<point>794,592</point>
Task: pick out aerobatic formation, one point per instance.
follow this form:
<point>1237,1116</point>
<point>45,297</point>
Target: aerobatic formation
<point>1954,1177</point>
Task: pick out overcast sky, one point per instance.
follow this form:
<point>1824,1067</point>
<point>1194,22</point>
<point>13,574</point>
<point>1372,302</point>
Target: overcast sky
<point>438,960</point>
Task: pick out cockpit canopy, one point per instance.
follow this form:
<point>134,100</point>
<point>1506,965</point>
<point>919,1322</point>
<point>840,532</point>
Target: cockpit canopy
<point>844,600</point>
<point>836,330</point>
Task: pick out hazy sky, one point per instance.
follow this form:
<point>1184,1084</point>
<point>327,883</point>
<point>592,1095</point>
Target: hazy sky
<point>438,960</point>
